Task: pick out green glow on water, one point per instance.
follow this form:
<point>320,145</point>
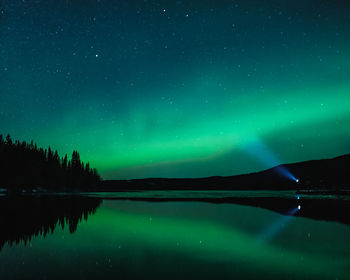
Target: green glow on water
<point>141,239</point>
<point>213,242</point>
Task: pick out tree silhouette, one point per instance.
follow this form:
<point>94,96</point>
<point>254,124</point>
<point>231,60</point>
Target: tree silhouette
<point>8,140</point>
<point>24,217</point>
<point>25,166</point>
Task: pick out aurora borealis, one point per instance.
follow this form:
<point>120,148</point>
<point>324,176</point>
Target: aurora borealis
<point>177,88</point>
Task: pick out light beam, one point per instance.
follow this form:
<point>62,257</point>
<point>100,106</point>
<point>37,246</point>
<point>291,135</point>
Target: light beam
<point>257,149</point>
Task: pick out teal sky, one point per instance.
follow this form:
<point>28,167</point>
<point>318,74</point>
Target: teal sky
<point>177,88</point>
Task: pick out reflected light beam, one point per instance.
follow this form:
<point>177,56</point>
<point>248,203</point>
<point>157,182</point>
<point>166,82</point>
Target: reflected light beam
<point>278,225</point>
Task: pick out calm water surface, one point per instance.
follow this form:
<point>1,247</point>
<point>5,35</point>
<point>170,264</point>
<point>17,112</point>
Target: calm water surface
<point>123,239</point>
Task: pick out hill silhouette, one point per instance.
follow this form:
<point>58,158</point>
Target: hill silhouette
<point>330,174</point>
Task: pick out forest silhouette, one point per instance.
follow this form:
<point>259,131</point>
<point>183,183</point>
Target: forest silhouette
<point>25,166</point>
<point>25,217</point>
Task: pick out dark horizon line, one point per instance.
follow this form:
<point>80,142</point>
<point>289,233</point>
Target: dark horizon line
<point>228,176</point>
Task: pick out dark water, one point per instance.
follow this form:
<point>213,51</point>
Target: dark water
<point>95,237</point>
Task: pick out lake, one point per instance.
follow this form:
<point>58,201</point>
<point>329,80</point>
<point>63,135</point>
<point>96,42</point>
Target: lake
<point>174,235</point>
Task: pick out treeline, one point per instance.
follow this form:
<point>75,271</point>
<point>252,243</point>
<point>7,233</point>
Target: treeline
<point>26,166</point>
<point>23,218</point>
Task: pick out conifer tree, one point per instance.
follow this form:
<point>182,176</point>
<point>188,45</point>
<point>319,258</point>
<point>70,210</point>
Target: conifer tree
<point>24,165</point>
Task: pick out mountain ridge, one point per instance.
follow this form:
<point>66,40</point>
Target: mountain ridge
<point>328,173</point>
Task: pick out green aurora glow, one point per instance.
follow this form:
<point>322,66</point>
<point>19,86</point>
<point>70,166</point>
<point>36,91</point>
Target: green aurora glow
<point>177,90</point>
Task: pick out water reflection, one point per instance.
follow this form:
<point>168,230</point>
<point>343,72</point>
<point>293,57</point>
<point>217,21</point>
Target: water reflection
<point>320,207</point>
<point>165,240</point>
<point>25,217</point>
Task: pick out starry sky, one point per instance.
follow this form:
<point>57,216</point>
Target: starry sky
<point>177,88</point>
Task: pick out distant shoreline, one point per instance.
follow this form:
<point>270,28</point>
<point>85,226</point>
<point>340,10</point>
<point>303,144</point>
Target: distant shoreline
<point>326,176</point>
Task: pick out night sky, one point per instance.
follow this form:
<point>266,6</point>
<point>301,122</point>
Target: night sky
<point>177,88</point>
